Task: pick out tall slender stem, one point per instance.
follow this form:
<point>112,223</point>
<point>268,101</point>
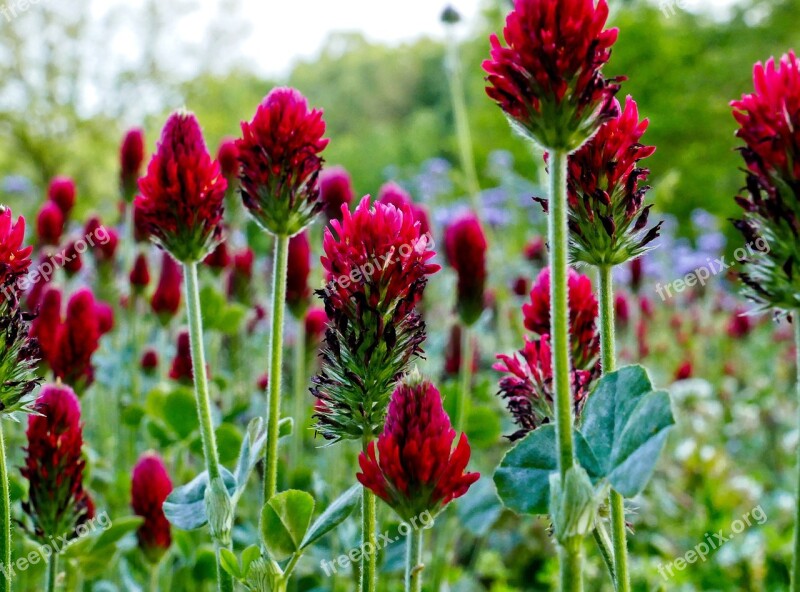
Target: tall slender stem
<point>154,569</point>
<point>280,263</point>
<point>300,381</point>
<point>465,371</point>
<point>52,573</point>
<point>5,516</point>
<point>616,501</point>
<point>796,558</point>
<point>369,541</point>
<point>202,398</point>
<point>570,552</point>
<point>414,565</point>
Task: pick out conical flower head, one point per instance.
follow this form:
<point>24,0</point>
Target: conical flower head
<point>298,291</point>
<point>15,258</point>
<point>377,266</point>
<point>61,192</point>
<point>607,215</point>
<point>279,152</point>
<point>181,197</point>
<point>465,247</point>
<point>166,299</point>
<point>57,502</point>
<point>131,158</point>
<point>769,120</point>
<point>77,339</point>
<point>414,466</point>
<point>548,79</point>
<point>150,486</point>
<point>335,190</point>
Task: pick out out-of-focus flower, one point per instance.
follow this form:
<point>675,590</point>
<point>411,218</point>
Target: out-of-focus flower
<point>181,369</point>
<point>73,259</point>
<point>228,157</point>
<point>150,486</point>
<point>536,251</point>
<point>452,353</point>
<point>315,322</point>
<point>35,292</point>
<point>684,371</point>
<point>548,79</point>
<point>140,232</point>
<point>241,274</point>
<point>166,299</point>
<point>105,317</point>
<point>181,196</point>
<point>140,274</point>
<point>15,258</point>
<point>57,502</point>
<point>582,315</point>
<point>298,291</point>
<point>149,361</point>
<point>740,323</point>
<point>521,286</point>
<point>104,239</point>
<point>44,328</point>
<point>465,247</point>
<point>19,357</point>
<point>392,193</point>
<point>528,388</point>
<point>377,266</point>
<point>50,223</point>
<point>414,466</point>
<point>607,219</point>
<point>61,192</point>
<point>335,190</point>
<point>263,382</point>
<point>637,273</point>
<point>280,163</point>
<point>219,258</point>
<point>646,306</point>
<point>131,158</point>
<point>77,339</point>
<point>622,310</point>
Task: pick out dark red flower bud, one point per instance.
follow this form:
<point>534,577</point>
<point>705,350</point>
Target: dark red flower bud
<point>280,163</point>
<point>414,466</point>
<point>77,339</point>
<point>622,310</point>
<point>140,274</point>
<point>740,323</point>
<point>181,369</point>
<point>166,299</point>
<point>241,276</point>
<point>50,224</point>
<point>637,274</point>
<point>182,193</point>
<point>105,317</point>
<point>219,258</point>
<point>149,361</point>
<point>465,248</point>
<point>62,193</point>
<point>47,322</point>
<point>315,322</point>
<point>536,251</point>
<point>298,291</point>
<point>335,190</point>
<point>131,158</point>
<point>263,382</point>
<point>14,257</point>
<point>392,193</point>
<point>646,306</point>
<point>73,259</point>
<point>57,502</point>
<point>684,371</point>
<point>521,286</point>
<point>104,239</point>
<point>228,157</point>
<point>150,486</point>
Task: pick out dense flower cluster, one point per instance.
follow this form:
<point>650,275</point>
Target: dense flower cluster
<point>769,124</point>
<point>280,163</point>
<point>377,266</point>
<point>50,223</point>
<point>465,247</point>
<point>548,79</point>
<point>57,502</point>
<point>150,486</point>
<point>335,190</point>
<point>414,466</point>
<point>392,193</point>
<point>15,258</point>
<point>606,214</point>
<point>181,197</point>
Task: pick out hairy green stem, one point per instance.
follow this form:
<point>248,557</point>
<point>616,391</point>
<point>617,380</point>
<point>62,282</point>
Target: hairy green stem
<point>369,541</point>
<point>465,372</point>
<point>570,562</point>
<point>608,361</point>
<point>203,399</point>
<point>299,391</point>
<point>414,565</point>
<point>280,263</point>
<point>5,516</point>
<point>796,557</point>
<point>604,545</point>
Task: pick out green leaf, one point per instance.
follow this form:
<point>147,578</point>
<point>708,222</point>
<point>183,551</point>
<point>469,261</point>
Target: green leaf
<point>249,555</point>
<point>627,424</point>
<point>230,563</point>
<point>185,506</point>
<point>333,516</point>
<point>116,531</point>
<point>285,427</point>
<point>285,518</point>
<point>250,452</point>
<point>483,426</point>
<point>180,412</point>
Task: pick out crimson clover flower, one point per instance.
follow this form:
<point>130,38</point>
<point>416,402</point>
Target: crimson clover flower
<point>606,213</point>
<point>150,486</point>
<point>769,124</point>
<point>140,274</point>
<point>583,309</point>
<point>180,200</point>
<point>166,299</point>
<point>392,193</point>
<point>131,158</point>
<point>280,163</point>
<point>50,223</point>
<point>414,466</point>
<point>61,192</point>
<point>228,157</point>
<point>57,502</point>
<point>181,369</point>
<point>44,328</point>
<point>240,278</point>
<point>77,339</point>
<point>335,189</point>
<point>15,258</point>
<point>548,79</point>
<point>465,247</point>
<point>377,266</point>
<point>298,291</point>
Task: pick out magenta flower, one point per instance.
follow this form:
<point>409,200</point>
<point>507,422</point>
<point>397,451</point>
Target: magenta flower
<point>166,299</point>
<point>298,291</point>
<point>50,224</point>
<point>392,193</point>
<point>465,247</point>
<point>15,258</point>
<point>150,486</point>
<point>77,339</point>
<point>61,192</point>
<point>131,158</point>
<point>335,190</point>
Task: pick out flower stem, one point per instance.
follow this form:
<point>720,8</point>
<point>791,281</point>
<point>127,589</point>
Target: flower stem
<point>202,398</point>
<point>369,524</point>
<point>616,501</point>
<point>299,390</point>
<point>154,577</point>
<point>796,558</point>
<point>570,552</point>
<point>466,378</point>
<point>52,573</point>
<point>280,263</point>
<point>414,565</point>
<point>5,515</point>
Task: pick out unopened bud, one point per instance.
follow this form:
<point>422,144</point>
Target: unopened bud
<point>219,510</point>
<point>573,505</point>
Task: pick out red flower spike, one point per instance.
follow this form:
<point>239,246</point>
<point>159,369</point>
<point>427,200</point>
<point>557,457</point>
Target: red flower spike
<point>61,192</point>
<point>548,79</point>
<point>315,322</point>
<point>50,224</point>
<point>104,239</point>
<point>335,190</point>
<point>415,467</point>
<point>15,259</point>
<point>73,259</point>
<point>181,196</point>
<point>150,486</point>
<point>465,248</point>
<point>77,339</point>
<point>131,158</point>
<point>219,258</point>
<point>298,291</point>
<point>149,361</point>
<point>166,299</point>
<point>105,317</point>
<point>57,502</point>
<point>241,276</point>
<point>47,322</point>
<point>280,163</point>
<point>228,157</point>
<point>181,369</point>
<point>392,193</point>
<point>140,274</point>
